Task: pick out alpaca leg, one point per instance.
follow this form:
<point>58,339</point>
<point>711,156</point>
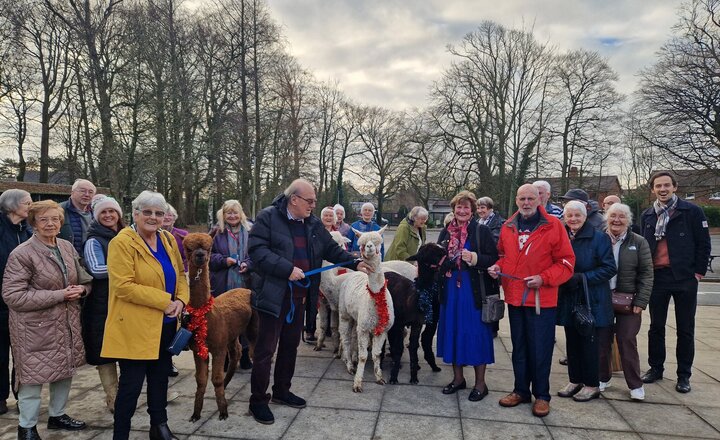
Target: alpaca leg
<point>201,378</point>
<point>378,342</point>
<point>395,338</point>
<point>363,340</point>
<point>321,324</point>
<point>335,333</point>
<point>234,351</point>
<point>109,381</point>
<point>427,339</point>
<point>354,343</point>
<point>344,329</point>
<point>413,350</point>
<point>218,359</point>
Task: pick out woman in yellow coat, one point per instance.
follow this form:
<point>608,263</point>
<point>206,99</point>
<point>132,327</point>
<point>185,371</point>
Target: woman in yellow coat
<point>148,291</point>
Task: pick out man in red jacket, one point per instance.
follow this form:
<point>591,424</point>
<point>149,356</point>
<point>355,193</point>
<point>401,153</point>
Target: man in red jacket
<point>535,258</point>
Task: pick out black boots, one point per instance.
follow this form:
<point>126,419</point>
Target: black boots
<point>161,432</point>
<point>65,422</point>
<point>28,433</point>
<point>245,362</point>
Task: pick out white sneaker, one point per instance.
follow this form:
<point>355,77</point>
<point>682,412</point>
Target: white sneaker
<point>637,394</point>
<point>604,385</point>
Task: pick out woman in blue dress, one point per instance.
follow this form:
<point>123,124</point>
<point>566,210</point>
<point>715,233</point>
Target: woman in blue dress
<point>463,339</point>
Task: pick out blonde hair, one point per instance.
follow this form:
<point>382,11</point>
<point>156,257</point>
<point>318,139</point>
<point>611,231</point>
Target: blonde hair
<point>231,204</point>
<point>41,207</point>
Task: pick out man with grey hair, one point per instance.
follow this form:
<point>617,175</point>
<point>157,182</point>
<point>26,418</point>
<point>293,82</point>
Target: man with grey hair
<point>78,213</point>
<point>285,242</point>
<point>545,192</point>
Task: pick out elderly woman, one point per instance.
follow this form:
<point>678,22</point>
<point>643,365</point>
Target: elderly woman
<point>229,261</point>
<point>340,224</point>
<point>409,236</point>
<point>365,224</point>
<point>42,286</point>
<point>634,275</point>
<point>148,291</point>
<point>14,208</point>
<point>169,225</point>
<point>594,261</point>
<point>107,222</point>
<point>463,338</point>
<point>489,217</point>
<point>328,217</point>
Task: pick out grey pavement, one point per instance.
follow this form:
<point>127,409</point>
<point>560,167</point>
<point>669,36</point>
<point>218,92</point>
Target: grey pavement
<point>421,411</point>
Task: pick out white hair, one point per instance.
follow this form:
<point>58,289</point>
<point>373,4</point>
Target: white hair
<point>622,209</point>
<point>418,212</point>
<point>10,199</point>
<point>329,209</point>
<point>339,207</point>
<point>576,205</point>
<point>368,205</point>
<point>79,182</point>
<point>172,210</point>
<point>147,199</point>
<point>543,184</point>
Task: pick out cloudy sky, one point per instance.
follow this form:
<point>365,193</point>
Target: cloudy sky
<point>388,52</point>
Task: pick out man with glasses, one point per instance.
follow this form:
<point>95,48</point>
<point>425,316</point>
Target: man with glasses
<point>78,213</point>
<point>285,242</point>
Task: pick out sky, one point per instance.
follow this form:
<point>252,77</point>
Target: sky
<point>389,52</point>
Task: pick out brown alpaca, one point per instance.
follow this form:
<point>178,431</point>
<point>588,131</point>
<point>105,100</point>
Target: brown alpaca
<point>230,316</point>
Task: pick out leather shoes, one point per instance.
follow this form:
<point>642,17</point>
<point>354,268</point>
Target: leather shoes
<point>3,407</point>
<point>570,390</point>
<point>562,361</point>
<point>28,433</point>
<point>477,395</point>
<point>161,432</point>
<point>513,399</point>
<point>451,388</point>
<point>261,413</point>
<point>683,385</point>
<point>290,400</point>
<point>652,375</point>
<point>173,371</point>
<point>65,422</point>
<point>541,408</point>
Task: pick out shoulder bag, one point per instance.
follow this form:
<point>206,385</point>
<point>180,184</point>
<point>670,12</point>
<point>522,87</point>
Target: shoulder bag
<point>622,302</point>
<point>493,307</point>
<point>582,316</point>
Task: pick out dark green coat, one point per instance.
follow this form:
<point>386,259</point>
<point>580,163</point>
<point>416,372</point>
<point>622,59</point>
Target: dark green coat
<point>635,269</point>
<point>406,241</point>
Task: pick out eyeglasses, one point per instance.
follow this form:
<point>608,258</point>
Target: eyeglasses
<point>310,202</point>
<point>26,203</point>
<point>46,220</point>
<point>85,191</point>
<point>149,213</point>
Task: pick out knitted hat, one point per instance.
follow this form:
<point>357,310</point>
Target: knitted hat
<point>101,202</point>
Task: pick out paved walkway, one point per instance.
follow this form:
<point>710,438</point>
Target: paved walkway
<point>422,411</point>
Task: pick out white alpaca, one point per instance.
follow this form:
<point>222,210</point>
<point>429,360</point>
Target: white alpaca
<point>329,282</point>
<point>408,270</point>
<point>359,317</point>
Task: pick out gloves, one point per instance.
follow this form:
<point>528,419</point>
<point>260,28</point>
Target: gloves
<point>573,283</point>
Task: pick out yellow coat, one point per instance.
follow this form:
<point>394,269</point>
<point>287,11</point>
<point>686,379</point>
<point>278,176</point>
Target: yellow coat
<point>137,296</point>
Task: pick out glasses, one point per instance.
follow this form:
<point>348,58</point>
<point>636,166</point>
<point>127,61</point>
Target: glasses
<point>46,220</point>
<point>26,203</point>
<point>85,191</point>
<point>149,213</point>
<point>310,202</point>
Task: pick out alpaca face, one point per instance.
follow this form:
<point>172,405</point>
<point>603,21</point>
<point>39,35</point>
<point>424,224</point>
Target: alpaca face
<point>429,256</point>
<point>197,248</point>
<point>369,244</point>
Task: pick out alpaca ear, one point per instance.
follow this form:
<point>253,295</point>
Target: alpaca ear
<point>357,233</point>
<point>381,230</point>
<point>346,240</point>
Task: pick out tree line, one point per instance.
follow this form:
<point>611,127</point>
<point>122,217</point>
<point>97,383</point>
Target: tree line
<point>208,104</point>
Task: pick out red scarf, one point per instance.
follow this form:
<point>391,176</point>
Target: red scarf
<point>458,237</point>
<point>381,308</point>
<point>198,325</point>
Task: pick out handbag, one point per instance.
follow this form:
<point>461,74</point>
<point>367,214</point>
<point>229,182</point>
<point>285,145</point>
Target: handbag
<point>622,303</point>
<point>582,316</point>
<point>82,276</point>
<point>493,307</point>
<point>180,341</point>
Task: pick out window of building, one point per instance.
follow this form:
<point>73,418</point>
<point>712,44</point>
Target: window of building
<point>690,196</point>
<point>715,195</point>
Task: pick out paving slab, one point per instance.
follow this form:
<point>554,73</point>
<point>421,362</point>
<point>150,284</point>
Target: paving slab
<point>330,423</point>
<point>559,433</point>
<point>410,426</point>
<point>490,430</point>
<point>664,419</point>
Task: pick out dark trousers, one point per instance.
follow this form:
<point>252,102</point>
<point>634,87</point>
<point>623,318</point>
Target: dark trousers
<point>684,295</point>
<point>533,338</point>
<point>625,329</point>
<point>582,357</point>
<point>276,333</point>
<point>132,376</point>
<point>311,311</point>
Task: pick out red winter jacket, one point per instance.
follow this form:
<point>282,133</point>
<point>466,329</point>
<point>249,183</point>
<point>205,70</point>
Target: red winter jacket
<point>547,252</point>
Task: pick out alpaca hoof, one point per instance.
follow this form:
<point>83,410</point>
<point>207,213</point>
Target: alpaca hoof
<point>436,369</point>
<point>393,381</point>
<point>413,381</point>
<point>317,348</point>
<point>194,418</point>
<point>381,381</point>
<point>357,389</point>
<point>223,415</point>
<point>337,356</point>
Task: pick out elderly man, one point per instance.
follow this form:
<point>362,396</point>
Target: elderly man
<point>535,258</point>
<point>78,213</point>
<point>285,242</point>
<point>609,201</point>
<point>545,191</point>
<point>596,220</point>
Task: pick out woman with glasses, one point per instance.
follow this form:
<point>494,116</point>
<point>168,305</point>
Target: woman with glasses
<point>14,207</point>
<point>168,224</point>
<point>42,286</point>
<point>148,291</point>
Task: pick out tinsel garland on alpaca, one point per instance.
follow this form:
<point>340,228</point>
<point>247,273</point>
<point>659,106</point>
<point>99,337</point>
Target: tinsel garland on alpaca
<point>381,308</point>
<point>198,325</point>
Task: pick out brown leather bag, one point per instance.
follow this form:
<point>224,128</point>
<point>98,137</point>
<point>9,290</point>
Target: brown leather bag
<point>622,302</point>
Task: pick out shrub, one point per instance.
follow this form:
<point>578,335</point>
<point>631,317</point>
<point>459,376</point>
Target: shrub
<point>713,215</point>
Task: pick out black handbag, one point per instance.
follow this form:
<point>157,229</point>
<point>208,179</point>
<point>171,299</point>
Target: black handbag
<point>493,307</point>
<point>582,316</point>
<point>182,336</point>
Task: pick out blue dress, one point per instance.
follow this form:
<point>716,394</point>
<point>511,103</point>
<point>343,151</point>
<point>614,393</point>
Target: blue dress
<point>462,338</point>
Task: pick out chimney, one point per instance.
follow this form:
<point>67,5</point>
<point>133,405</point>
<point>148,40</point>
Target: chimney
<point>573,172</point>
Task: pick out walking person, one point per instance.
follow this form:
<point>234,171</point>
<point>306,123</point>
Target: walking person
<point>409,236</point>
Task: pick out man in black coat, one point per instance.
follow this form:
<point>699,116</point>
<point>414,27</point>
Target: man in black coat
<point>285,242</point>
<point>679,239</point>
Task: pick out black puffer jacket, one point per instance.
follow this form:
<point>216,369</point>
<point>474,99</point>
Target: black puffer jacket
<point>270,247</point>
<point>11,235</point>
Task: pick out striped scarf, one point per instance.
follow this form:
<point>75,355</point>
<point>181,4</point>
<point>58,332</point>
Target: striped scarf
<point>663,215</point>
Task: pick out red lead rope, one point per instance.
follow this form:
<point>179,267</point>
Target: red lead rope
<point>198,325</point>
<point>381,308</point>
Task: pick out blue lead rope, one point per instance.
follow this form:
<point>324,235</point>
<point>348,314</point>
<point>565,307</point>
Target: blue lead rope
<point>305,283</point>
<point>525,292</point>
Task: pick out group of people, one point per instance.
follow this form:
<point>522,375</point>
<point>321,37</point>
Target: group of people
<point>80,286</point>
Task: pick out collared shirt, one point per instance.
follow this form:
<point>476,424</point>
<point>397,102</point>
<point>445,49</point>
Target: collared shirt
<point>290,217</point>
<point>487,220</point>
<point>617,242</point>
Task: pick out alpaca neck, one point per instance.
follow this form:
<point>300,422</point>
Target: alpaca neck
<point>199,285</point>
<point>376,279</point>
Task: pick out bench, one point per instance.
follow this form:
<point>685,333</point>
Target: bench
<point>710,260</point>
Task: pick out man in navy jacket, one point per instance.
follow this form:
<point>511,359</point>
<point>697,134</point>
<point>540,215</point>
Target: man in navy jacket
<point>679,239</point>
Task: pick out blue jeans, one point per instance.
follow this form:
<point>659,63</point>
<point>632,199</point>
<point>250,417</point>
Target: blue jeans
<point>533,339</point>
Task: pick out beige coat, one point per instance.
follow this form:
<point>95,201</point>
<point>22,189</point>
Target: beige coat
<point>45,330</point>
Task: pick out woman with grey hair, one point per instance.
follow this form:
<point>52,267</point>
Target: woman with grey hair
<point>14,230</point>
<point>168,224</point>
<point>410,235</point>
<point>143,312</point>
<point>634,276</point>
<point>489,217</point>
